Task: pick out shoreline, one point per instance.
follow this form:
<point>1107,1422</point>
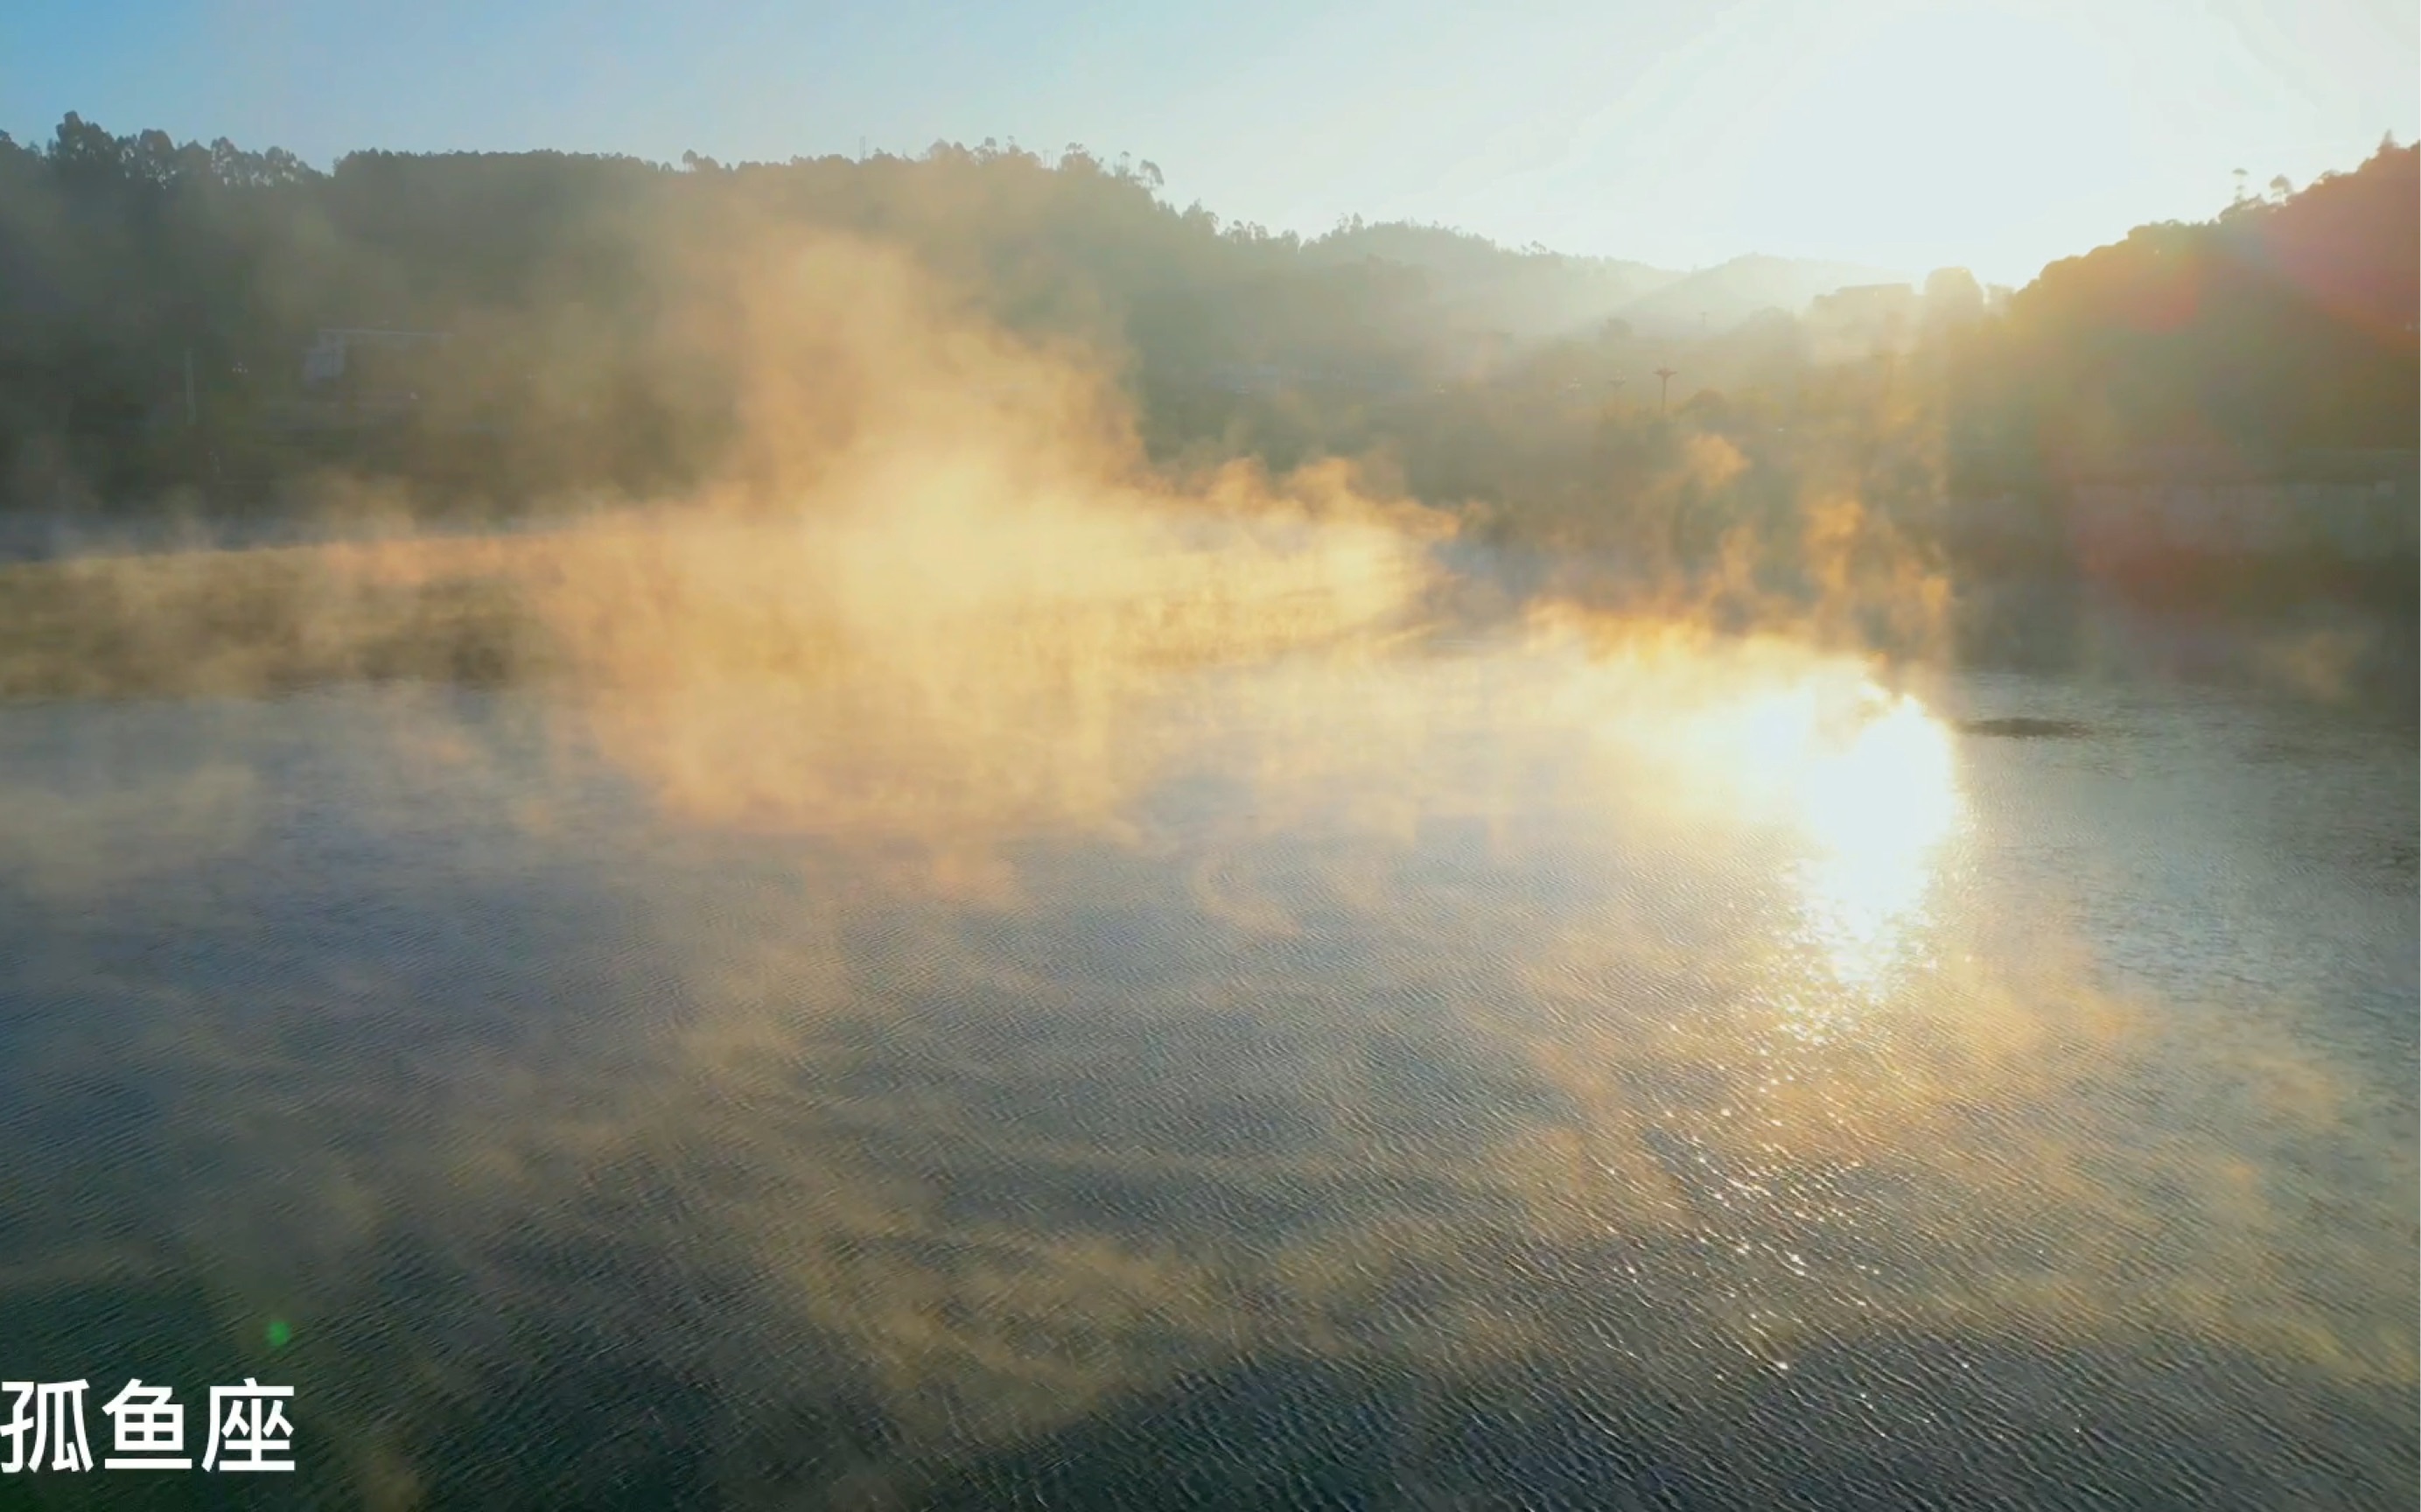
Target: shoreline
<point>185,607</point>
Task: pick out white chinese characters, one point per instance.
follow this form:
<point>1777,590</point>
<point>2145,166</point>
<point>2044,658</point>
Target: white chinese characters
<point>249,1429</point>
<point>249,1423</point>
<point>150,1430</point>
<point>51,1414</point>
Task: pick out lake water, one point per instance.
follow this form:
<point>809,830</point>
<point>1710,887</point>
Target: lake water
<point>1485,1074</point>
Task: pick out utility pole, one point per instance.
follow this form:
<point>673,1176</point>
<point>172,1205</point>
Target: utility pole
<point>1664,377</point>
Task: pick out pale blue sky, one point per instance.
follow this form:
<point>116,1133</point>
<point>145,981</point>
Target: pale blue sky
<point>1908,134</point>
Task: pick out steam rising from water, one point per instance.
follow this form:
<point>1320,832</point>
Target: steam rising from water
<point>1677,905</point>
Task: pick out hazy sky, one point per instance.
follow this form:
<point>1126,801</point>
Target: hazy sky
<point>1907,134</point>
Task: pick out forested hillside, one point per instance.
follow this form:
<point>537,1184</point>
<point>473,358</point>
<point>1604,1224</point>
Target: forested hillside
<point>156,301</point>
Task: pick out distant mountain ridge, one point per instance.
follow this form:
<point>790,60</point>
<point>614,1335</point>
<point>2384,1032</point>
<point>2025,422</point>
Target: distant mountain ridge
<point>1730,292</point>
<point>1533,294</point>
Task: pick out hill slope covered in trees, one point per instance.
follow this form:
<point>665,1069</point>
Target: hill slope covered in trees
<point>155,300</point>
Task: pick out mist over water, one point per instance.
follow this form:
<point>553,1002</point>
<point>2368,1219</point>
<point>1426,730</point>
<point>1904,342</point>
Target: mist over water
<point>952,966</point>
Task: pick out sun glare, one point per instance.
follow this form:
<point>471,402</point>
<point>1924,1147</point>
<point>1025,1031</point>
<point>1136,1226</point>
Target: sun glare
<point>1877,808</point>
<point>1865,783</point>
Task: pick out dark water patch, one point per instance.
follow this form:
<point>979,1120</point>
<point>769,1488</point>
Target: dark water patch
<point>576,1427</point>
<point>2024,729</point>
<point>2403,858</point>
<point>1911,1422</point>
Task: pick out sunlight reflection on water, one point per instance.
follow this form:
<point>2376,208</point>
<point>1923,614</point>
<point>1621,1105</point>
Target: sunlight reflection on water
<point>1864,785</point>
<point>1879,809</point>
